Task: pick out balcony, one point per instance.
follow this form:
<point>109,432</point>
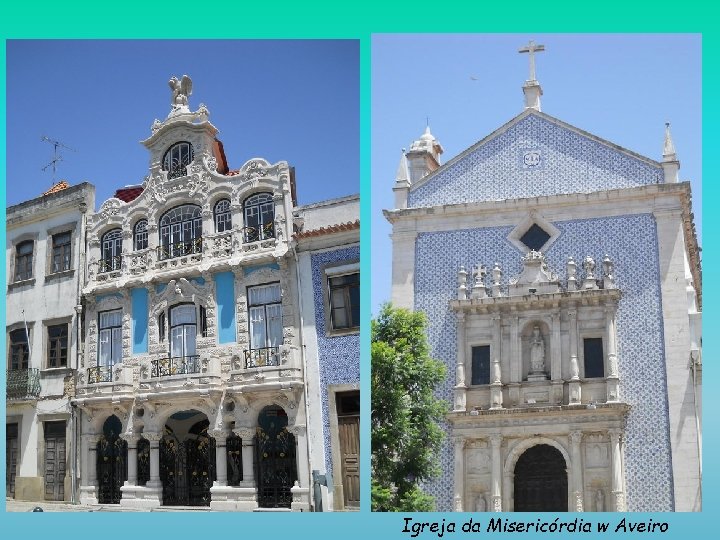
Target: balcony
<point>99,374</point>
<point>23,384</point>
<point>179,249</point>
<point>262,357</point>
<point>112,264</point>
<point>178,365</point>
<point>259,238</point>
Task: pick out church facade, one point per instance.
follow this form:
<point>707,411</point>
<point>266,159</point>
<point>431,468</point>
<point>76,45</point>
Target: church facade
<point>566,306</point>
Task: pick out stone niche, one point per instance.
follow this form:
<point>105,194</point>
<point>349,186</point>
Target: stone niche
<point>535,346</point>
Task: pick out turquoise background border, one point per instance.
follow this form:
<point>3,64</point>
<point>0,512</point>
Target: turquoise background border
<point>333,19</point>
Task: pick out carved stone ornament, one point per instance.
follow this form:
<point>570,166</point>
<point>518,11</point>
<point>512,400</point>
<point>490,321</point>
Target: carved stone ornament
<point>535,278</point>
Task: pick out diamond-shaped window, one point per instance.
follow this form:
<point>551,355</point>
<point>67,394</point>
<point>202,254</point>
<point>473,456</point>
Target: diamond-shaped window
<point>535,237</point>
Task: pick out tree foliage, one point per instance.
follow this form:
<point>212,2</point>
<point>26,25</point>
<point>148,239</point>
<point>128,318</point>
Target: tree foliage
<point>406,435</point>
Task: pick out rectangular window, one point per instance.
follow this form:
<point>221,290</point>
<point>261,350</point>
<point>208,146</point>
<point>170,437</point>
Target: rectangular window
<point>19,350</point>
<point>183,331</point>
<point>61,252</point>
<point>161,327</point>
<point>203,322</point>
<point>480,365</point>
<point>57,345</point>
<point>265,314</point>
<point>110,338</point>
<point>24,260</point>
<point>594,364</point>
<point>345,301</point>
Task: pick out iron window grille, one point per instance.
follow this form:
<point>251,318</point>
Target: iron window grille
<point>23,383</point>
<point>61,252</point>
<point>111,246</point>
<point>265,325</point>
<point>180,232</point>
<point>140,235</point>
<point>345,301</point>
<point>57,345</point>
<point>177,158</point>
<point>24,260</point>
<point>223,218</point>
<point>259,210</point>
<point>175,365</point>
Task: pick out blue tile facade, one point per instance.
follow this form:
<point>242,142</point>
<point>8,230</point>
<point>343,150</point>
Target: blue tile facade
<point>631,242</point>
<point>534,157</point>
<point>339,356</point>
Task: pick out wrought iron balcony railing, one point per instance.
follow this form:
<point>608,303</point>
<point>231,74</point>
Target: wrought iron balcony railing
<point>99,374</point>
<point>110,265</point>
<point>263,357</point>
<point>23,383</point>
<point>175,365</point>
<point>179,249</point>
<point>263,232</point>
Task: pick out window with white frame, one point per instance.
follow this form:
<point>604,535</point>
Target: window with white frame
<point>223,218</point>
<point>111,246</point>
<point>177,158</point>
<point>110,337</point>
<point>183,331</point>
<point>181,232</point>
<point>259,212</point>
<point>140,235</point>
<point>265,314</point>
<point>344,293</point>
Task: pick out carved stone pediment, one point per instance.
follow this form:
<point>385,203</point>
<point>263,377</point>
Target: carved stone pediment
<point>181,290</point>
<point>535,277</point>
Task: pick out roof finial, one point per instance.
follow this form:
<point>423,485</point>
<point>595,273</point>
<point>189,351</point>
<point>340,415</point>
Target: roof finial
<point>669,147</point>
<point>402,176</point>
<point>531,88</point>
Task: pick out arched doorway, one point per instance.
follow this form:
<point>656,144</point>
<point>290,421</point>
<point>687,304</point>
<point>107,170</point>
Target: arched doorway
<point>275,459</point>
<point>187,460</point>
<point>541,483</point>
<point>111,462</point>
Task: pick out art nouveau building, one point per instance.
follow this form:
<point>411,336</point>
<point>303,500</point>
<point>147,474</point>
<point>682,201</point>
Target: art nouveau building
<point>561,278</point>
<point>44,238</point>
<point>193,383</point>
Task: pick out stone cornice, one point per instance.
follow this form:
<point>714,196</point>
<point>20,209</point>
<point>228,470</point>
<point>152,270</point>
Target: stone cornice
<point>536,301</point>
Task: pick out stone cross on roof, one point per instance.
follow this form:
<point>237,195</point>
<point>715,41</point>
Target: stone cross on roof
<point>532,49</point>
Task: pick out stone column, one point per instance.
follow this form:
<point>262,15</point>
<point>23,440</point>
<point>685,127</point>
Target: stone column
<point>460,403</point>
<point>515,361</point>
<point>556,361</point>
<point>577,470</point>
<point>575,391</point>
<point>154,440</point>
<point>459,497</point>
<point>617,477</point>
<point>248,447</point>
<point>92,459</point>
<point>88,484</point>
<point>496,398</point>
<point>220,436</point>
<point>611,370</point>
<point>496,493</point>
<point>132,441</point>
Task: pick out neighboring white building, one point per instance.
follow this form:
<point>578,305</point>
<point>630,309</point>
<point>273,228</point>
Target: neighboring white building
<point>201,376</point>
<point>44,239</point>
<point>560,275</point>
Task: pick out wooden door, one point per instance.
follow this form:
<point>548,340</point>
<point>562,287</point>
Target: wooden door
<point>11,458</point>
<point>349,431</point>
<point>55,461</point>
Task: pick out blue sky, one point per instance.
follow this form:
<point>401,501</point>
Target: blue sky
<point>296,101</point>
<point>621,87</point>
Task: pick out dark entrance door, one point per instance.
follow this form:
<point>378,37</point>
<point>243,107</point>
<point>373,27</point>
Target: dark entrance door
<point>111,462</point>
<point>348,410</point>
<point>54,461</point>
<point>541,481</point>
<point>275,459</point>
<point>11,458</point>
<point>187,468</point>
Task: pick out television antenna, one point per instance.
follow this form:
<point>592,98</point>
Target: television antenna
<point>57,157</point>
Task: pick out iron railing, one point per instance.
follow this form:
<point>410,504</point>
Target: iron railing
<point>110,265</point>
<point>263,232</point>
<point>263,357</point>
<point>175,365</point>
<point>179,249</point>
<point>23,383</point>
<point>99,374</point>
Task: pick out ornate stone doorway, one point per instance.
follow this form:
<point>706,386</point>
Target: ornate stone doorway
<point>275,459</point>
<point>541,483</point>
<point>187,460</point>
<point>111,462</point>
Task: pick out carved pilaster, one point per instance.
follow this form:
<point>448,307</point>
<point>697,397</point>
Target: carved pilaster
<point>496,493</point>
<point>459,446</point>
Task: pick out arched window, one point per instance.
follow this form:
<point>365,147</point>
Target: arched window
<point>180,232</point>
<point>111,246</point>
<point>223,220</point>
<point>259,217</point>
<point>140,235</point>
<point>177,158</point>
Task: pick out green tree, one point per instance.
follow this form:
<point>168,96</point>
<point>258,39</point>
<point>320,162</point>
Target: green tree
<point>406,436</point>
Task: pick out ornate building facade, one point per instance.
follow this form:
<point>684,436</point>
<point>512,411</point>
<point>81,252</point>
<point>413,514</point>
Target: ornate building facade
<point>561,278</point>
<point>194,381</point>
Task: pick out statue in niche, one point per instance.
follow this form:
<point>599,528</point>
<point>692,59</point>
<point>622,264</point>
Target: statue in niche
<point>537,351</point>
<point>599,501</point>
<point>480,503</point>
